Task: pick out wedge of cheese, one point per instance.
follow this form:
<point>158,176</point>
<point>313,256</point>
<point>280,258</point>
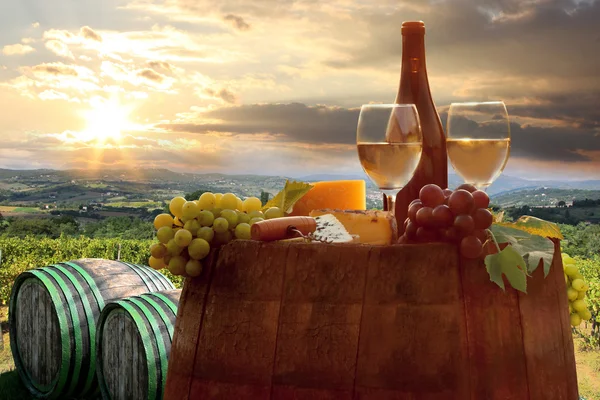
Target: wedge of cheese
<point>345,195</point>
<point>372,227</point>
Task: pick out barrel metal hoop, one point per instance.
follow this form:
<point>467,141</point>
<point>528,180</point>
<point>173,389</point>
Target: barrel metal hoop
<point>169,303</point>
<point>167,284</point>
<point>91,326</point>
<point>162,352</point>
<point>145,337</point>
<point>90,282</point>
<point>76,328</point>
<point>160,312</point>
<point>59,383</point>
<point>101,321</point>
<point>143,276</point>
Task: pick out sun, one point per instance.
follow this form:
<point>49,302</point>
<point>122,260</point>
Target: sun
<point>105,122</point>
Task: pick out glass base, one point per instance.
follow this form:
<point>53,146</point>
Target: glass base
<point>390,196</point>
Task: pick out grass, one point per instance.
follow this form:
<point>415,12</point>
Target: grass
<point>23,210</point>
<point>10,383</point>
<point>588,369</point>
<point>133,204</point>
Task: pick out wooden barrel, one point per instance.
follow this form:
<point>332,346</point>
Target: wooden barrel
<point>318,321</point>
<point>133,345</point>
<point>52,319</point>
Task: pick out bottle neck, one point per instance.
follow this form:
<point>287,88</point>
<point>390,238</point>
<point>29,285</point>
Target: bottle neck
<point>413,55</point>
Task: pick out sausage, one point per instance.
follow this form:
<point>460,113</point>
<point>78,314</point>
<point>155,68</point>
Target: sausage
<point>281,228</point>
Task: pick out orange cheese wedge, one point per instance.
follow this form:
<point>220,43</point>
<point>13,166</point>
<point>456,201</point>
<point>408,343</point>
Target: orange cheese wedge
<point>341,195</point>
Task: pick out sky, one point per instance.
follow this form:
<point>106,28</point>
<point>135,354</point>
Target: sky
<point>275,86</point>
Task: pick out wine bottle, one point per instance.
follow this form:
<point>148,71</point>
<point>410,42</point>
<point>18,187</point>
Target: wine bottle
<point>414,88</point>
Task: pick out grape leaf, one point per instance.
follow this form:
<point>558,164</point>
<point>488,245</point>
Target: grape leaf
<point>510,263</point>
<point>532,248</point>
<point>536,226</point>
<point>498,217</point>
<point>288,196</point>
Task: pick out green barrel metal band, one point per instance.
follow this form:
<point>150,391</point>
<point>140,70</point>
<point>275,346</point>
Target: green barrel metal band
<point>162,352</point>
<point>76,328</point>
<point>138,272</point>
<point>64,332</point>
<point>148,349</point>
<point>168,285</point>
<point>36,388</point>
<point>157,278</point>
<point>90,281</point>
<point>172,306</point>
<point>160,312</point>
<point>91,325</point>
<point>149,275</point>
<point>101,321</point>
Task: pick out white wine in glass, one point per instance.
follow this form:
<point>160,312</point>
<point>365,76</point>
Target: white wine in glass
<point>389,143</point>
<point>478,141</point>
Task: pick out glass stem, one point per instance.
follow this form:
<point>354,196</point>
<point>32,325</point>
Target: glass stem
<point>390,196</point>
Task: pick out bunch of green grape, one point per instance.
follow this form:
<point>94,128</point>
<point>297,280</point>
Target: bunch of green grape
<point>187,234</point>
<point>576,289</point>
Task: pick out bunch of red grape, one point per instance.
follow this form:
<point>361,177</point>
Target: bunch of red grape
<point>442,215</point>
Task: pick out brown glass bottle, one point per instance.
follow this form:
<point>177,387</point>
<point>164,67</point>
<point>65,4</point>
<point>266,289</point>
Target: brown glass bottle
<point>414,88</point>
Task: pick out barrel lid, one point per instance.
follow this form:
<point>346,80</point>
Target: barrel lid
<point>413,27</point>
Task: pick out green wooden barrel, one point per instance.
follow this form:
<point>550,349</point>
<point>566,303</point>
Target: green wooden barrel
<point>52,317</point>
<point>133,345</point>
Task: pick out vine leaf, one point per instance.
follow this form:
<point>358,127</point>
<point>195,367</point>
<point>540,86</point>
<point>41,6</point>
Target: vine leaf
<point>510,263</point>
<point>535,226</point>
<point>532,248</point>
<point>498,217</point>
<point>288,196</point>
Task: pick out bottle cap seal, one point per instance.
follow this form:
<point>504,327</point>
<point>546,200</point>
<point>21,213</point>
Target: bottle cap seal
<point>409,27</point>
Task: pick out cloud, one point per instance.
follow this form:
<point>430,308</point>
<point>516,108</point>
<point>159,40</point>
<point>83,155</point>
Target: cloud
<point>237,22</point>
<point>59,48</point>
<point>89,33</point>
<point>222,94</point>
<point>129,75</point>
<point>56,69</point>
<point>296,122</point>
<point>156,64</point>
<point>151,75</point>
<point>17,49</point>
<point>300,123</point>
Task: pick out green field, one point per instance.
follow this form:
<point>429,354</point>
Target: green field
<point>134,204</point>
<point>21,210</point>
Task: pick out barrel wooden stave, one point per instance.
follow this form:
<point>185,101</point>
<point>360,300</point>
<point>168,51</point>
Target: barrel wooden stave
<point>134,343</point>
<point>295,321</point>
<point>65,306</point>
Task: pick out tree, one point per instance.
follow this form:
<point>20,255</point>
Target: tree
<point>195,195</point>
<point>562,204</point>
<point>264,197</point>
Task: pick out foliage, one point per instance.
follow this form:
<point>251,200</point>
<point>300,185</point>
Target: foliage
<point>195,195</point>
<point>528,247</point>
<point>120,227</point>
<point>67,225</point>
<point>288,196</point>
<point>572,215</point>
<point>582,240</point>
<point>590,269</point>
<point>46,227</point>
<point>21,254</point>
<point>536,226</point>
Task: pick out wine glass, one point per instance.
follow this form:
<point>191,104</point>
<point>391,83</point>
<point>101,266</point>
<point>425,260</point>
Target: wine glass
<point>478,141</point>
<point>389,142</point>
